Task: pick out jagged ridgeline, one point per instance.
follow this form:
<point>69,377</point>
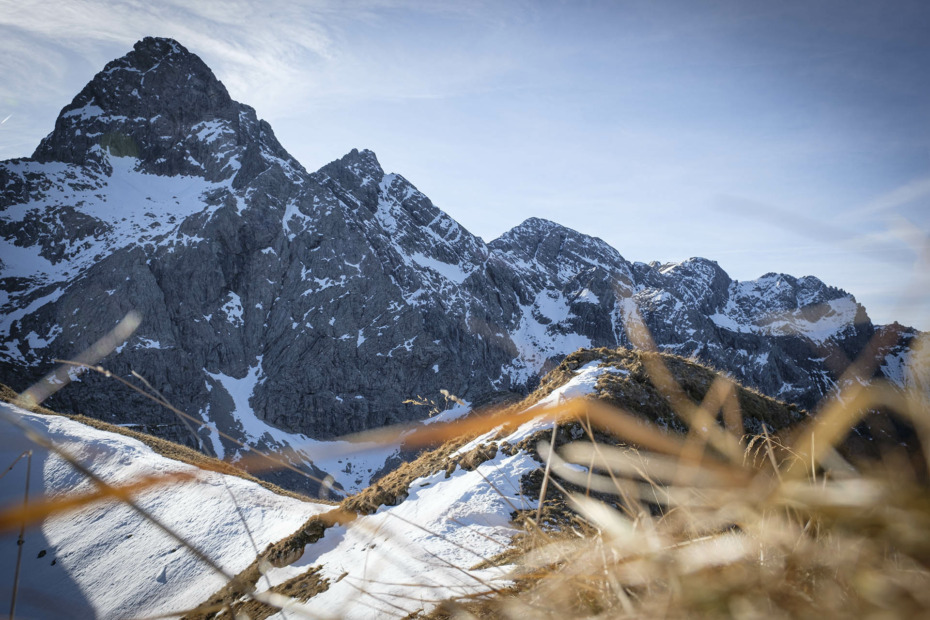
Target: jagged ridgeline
<point>276,300</point>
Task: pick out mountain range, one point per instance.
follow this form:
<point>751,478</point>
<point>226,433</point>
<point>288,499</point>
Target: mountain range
<point>281,305</point>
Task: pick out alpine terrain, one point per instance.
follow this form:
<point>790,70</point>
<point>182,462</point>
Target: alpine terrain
<point>445,526</point>
<point>283,307</point>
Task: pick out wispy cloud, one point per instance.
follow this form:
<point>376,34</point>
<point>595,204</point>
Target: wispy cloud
<point>279,56</point>
<point>890,241</point>
<point>901,196</point>
<point>267,49</point>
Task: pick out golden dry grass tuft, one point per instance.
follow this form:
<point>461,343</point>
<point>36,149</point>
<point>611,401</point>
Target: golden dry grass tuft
<point>790,529</point>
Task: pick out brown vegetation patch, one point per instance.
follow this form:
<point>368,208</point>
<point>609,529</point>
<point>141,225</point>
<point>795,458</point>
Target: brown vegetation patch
<point>282,553</point>
<point>633,389</point>
<point>303,587</point>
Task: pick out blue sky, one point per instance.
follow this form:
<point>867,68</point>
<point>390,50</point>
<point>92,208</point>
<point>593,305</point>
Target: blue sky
<point>769,136</point>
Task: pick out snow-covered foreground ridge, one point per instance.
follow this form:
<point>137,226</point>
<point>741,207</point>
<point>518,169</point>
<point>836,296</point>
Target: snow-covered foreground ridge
<point>442,527</point>
<point>437,540</point>
<point>106,560</point>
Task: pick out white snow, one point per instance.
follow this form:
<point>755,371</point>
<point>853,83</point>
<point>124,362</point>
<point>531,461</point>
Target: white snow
<point>895,369</point>
<point>542,334</point>
<point>137,208</point>
<point>413,555</point>
<point>727,322</point>
<point>17,314</point>
<point>351,464</point>
<point>588,296</point>
<point>110,562</point>
<point>233,309</point>
<point>210,131</point>
<point>818,323</point>
<point>148,343</point>
<point>295,221</point>
<point>241,391</point>
<point>84,113</point>
<point>451,272</point>
<point>835,316</point>
<point>37,342</point>
<point>458,410</point>
<point>583,383</point>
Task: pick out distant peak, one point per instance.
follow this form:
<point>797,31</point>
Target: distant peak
<point>355,168</point>
<point>159,89</point>
<point>364,159</point>
<point>159,46</point>
<point>700,260</point>
<point>538,222</point>
<point>538,227</point>
<point>167,44</point>
<point>152,50</point>
<point>536,237</point>
<point>159,76</point>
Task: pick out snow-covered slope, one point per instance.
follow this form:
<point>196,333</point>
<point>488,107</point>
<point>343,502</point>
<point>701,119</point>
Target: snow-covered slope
<point>436,543</point>
<point>106,560</point>
<point>445,524</point>
<point>422,551</point>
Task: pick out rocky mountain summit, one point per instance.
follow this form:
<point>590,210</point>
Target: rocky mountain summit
<point>278,303</point>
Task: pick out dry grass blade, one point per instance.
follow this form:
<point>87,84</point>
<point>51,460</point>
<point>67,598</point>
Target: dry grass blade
<point>817,440</point>
<point>658,468</point>
<point>271,461</point>
<point>62,375</point>
<point>699,418</point>
<point>11,518</point>
<point>45,443</point>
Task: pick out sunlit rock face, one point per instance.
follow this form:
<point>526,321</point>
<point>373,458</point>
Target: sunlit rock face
<point>280,301</point>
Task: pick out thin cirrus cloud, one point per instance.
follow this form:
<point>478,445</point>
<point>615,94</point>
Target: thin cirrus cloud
<point>246,46</point>
<point>907,194</point>
<point>281,57</point>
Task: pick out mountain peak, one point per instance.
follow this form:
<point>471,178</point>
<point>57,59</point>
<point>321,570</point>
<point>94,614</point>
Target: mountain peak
<point>161,104</point>
<point>362,162</point>
<point>538,223</point>
<point>159,47</point>
<point>535,230</point>
<point>558,248</point>
<point>356,169</point>
<point>158,77</point>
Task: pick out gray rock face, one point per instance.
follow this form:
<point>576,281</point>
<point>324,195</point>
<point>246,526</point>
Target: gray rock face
<point>279,301</point>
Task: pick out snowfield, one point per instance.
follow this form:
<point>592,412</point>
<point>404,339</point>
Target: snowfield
<point>106,560</point>
<point>420,552</point>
